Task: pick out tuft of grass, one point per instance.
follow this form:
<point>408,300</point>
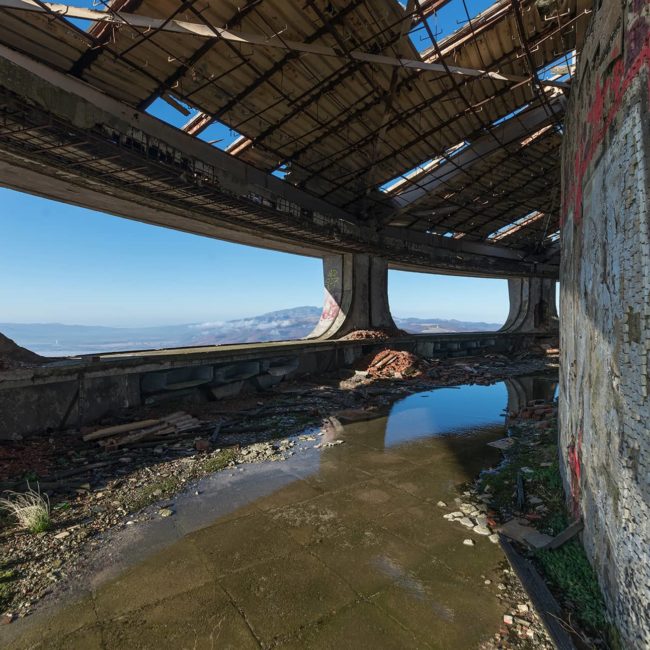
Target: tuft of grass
<point>7,576</point>
<point>220,460</point>
<point>31,509</point>
<point>151,493</point>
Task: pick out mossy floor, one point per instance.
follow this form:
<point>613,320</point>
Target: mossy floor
<point>534,458</point>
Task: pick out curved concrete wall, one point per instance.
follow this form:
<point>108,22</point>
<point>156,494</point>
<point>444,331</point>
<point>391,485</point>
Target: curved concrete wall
<point>605,309</point>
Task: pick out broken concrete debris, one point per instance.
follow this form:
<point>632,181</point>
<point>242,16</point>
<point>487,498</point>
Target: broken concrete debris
<point>108,487</point>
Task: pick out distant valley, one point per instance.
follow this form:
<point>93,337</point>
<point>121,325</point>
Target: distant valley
<point>53,339</point>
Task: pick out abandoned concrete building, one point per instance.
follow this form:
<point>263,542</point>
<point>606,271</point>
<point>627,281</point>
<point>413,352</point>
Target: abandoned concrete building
<point>516,146</point>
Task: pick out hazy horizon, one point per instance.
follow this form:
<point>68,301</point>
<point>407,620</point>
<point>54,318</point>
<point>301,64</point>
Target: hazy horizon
<point>60,339</point>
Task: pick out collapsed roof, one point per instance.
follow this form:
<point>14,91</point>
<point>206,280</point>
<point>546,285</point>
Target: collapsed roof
<point>459,140</point>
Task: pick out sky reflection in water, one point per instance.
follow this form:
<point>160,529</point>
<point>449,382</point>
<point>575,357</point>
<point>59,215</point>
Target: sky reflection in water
<point>446,411</point>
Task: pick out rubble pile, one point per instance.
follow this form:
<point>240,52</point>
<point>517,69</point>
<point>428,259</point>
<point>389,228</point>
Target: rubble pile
<point>373,335</point>
<point>397,364</point>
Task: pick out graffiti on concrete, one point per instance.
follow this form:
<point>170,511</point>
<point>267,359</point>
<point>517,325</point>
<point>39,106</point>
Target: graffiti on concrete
<point>331,308</point>
<point>573,452</point>
<point>605,105</point>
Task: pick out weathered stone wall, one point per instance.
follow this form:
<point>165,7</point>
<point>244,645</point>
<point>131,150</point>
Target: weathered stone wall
<point>605,309</point>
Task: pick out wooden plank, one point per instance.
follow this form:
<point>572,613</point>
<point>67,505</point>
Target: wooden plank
<point>561,538</point>
<point>543,600</point>
<point>140,435</point>
<point>119,428</point>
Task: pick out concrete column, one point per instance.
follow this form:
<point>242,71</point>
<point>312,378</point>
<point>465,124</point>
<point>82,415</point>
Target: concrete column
<point>356,295</point>
<point>532,306</point>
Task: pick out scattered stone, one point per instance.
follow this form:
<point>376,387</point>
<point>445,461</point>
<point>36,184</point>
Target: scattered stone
<point>165,512</point>
<point>503,443</point>
<point>62,535</point>
<point>507,619</point>
<point>481,530</point>
<point>468,542</point>
<point>467,522</point>
<point>441,504</point>
<point>494,538</point>
<point>522,608</point>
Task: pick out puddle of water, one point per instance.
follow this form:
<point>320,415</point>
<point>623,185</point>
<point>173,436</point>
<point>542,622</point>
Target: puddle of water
<point>327,549</point>
<point>447,411</point>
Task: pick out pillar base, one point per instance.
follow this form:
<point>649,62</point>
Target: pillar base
<point>532,306</point>
<point>356,296</point>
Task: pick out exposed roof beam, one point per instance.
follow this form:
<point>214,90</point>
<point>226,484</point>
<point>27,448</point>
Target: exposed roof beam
<point>201,121</point>
<point>102,32</point>
<point>518,126</point>
<point>196,57</point>
<point>205,31</point>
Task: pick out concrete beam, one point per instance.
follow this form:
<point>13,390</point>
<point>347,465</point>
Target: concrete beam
<point>204,190</point>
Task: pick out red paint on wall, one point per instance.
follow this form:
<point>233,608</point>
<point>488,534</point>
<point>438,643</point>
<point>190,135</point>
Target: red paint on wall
<point>331,309</point>
<point>574,452</point>
<point>607,100</point>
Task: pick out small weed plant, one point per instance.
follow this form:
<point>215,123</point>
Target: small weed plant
<point>31,509</point>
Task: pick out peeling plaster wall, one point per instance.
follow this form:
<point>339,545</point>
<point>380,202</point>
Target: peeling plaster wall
<point>605,309</point>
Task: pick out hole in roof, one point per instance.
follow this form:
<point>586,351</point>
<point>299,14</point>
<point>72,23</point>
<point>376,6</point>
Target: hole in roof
<point>509,116</point>
<point>281,172</point>
<point>220,135</point>
<point>82,23</point>
<point>514,226</point>
<point>401,182</point>
<point>391,185</point>
<point>560,69</point>
<point>165,111</point>
<point>445,21</point>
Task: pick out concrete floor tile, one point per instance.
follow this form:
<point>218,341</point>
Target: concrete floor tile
<point>239,543</point>
<point>368,557</point>
<point>172,571</point>
<point>196,619</point>
<point>433,603</point>
<point>360,626</point>
<point>279,596</point>
<point>52,628</point>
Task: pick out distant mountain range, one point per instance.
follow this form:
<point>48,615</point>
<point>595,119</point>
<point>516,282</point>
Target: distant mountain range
<point>54,339</point>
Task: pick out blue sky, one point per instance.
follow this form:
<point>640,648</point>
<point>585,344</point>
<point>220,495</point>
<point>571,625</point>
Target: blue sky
<point>64,264</point>
<point>60,263</point>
